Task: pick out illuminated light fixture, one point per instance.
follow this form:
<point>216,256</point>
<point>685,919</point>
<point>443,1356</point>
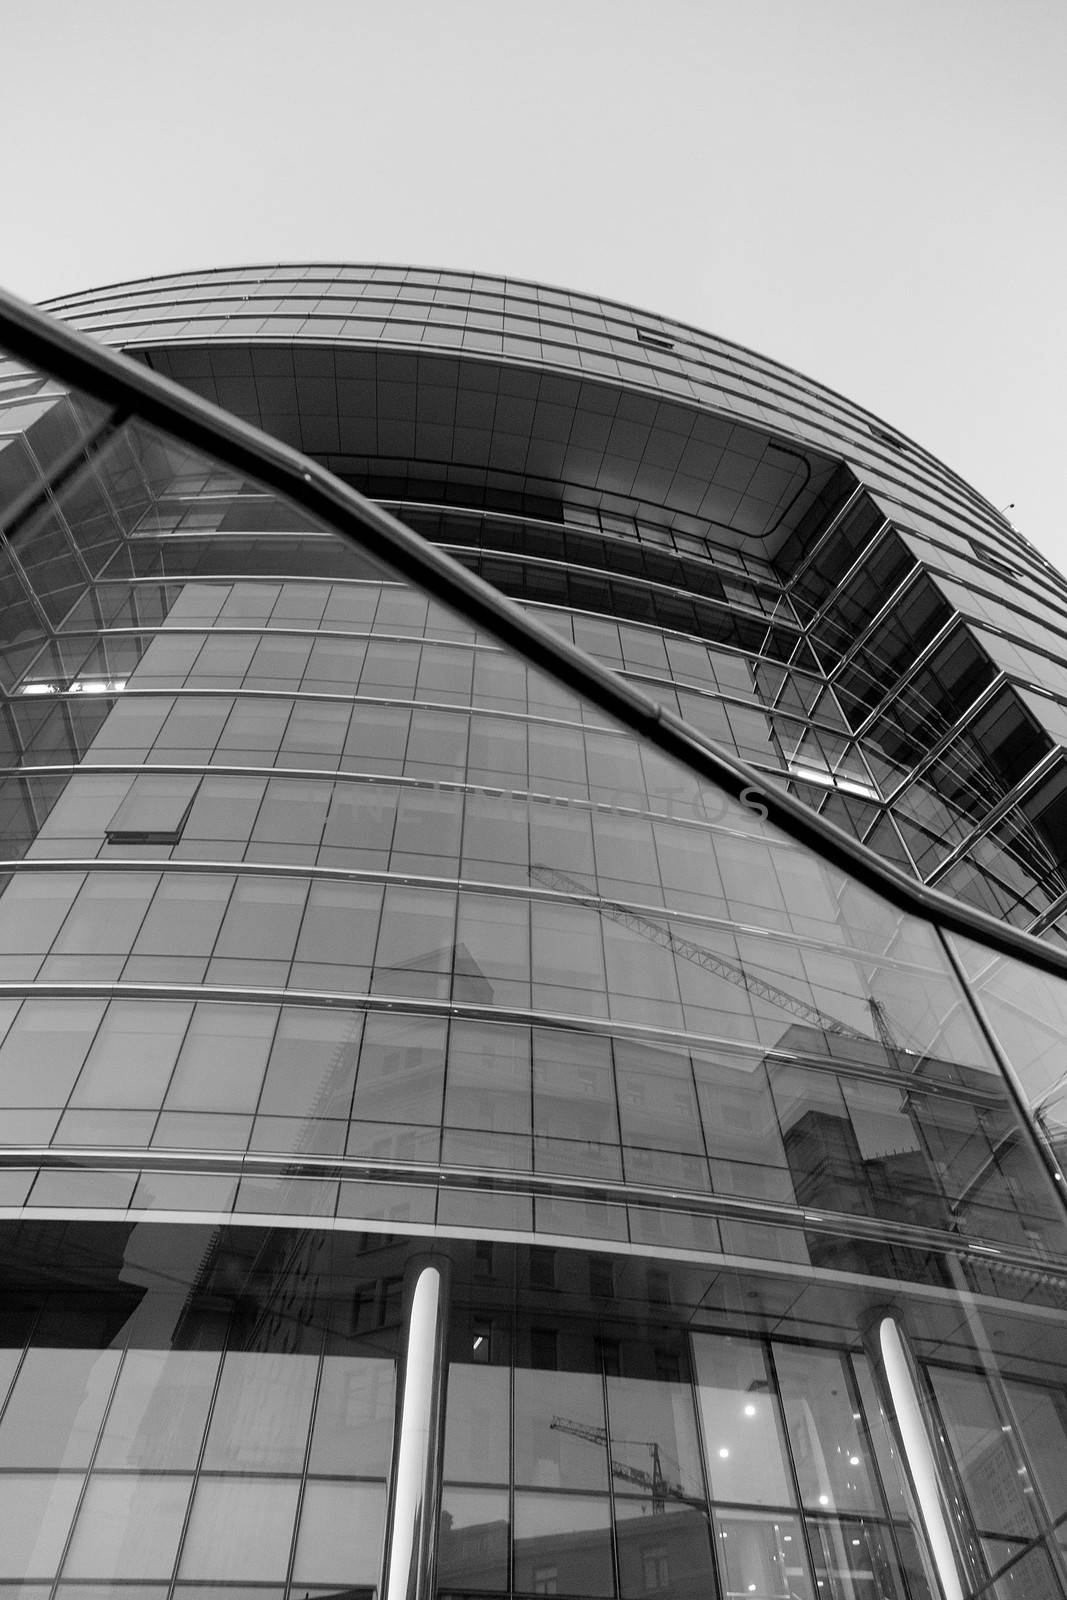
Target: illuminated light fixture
<point>750,1411</point>
<point>98,685</point>
<point>79,686</point>
<point>824,1499</point>
<point>723,1453</point>
<point>853,1461</point>
<point>479,1341</point>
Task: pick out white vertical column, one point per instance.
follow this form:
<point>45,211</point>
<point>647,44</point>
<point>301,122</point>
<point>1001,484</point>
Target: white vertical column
<point>919,1455</point>
<point>410,1538</point>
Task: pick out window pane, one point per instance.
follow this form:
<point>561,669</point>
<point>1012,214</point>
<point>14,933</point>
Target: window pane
<point>742,1428</point>
<point>1041,1417</point>
<point>341,924</point>
<point>764,1556</point>
<point>553,1410</point>
<point>154,809</point>
<point>35,1515</point>
<point>157,1415</point>
<point>563,1544</point>
<point>340,1538</point>
<point>654,1432</point>
<point>128,1527</point>
<point>664,1550</point>
<point>55,1407</point>
<point>184,917</point>
<point>261,1415</point>
<point>354,1416</point>
<point>312,1063</point>
<point>472,1550</point>
<point>263,919</point>
<point>293,813</point>
<point>401,1070</point>
<point>133,1054</point>
<point>492,950</point>
<point>477,1426</point>
<point>984,1453</point>
<point>40,1058</point>
<point>223,1059</point>
<point>488,1078</point>
<point>828,1453</point>
<point>856,1560</point>
<point>240,1528</point>
<point>415,946</point>
<point>107,913</point>
<point>32,907</point>
<point>225,808</point>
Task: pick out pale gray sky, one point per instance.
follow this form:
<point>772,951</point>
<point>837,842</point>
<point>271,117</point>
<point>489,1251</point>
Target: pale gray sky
<point>870,192</point>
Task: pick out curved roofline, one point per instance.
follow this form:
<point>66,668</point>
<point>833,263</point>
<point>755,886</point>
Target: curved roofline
<point>535,283</point>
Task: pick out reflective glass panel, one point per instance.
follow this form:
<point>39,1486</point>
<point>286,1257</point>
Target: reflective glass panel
<point>741,1422</point>
<point>473,1541</point>
<point>158,1411</point>
<point>55,1407</point>
<point>829,1454</point>
<point>340,1537</point>
<point>240,1528</point>
<point>762,1555</point>
<point>261,1414</point>
<point>128,1527</point>
<point>563,1544</point>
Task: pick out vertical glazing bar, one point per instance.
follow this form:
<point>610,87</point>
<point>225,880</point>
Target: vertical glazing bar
<point>410,1537</point>
<point>1031,1125</point>
<point>920,1457</point>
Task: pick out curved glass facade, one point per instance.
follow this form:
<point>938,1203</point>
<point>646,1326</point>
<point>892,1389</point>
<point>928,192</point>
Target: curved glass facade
<point>462,1132</point>
<point>881,641</point>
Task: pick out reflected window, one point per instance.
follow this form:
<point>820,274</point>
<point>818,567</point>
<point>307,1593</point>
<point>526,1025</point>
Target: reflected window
<point>996,1480</point>
<point>477,1427</point>
<point>157,1414</point>
<point>36,1511</point>
<point>743,1439</point>
<point>563,1542</point>
<point>223,1058</point>
<point>261,1415</point>
<point>312,1063</point>
<point>763,1555</point>
<point>560,1437</point>
<point>240,1528</point>
<point>472,1551</point>
<point>340,1537</point>
<point>829,1454</point>
<point>401,1070</point>
<point>55,1407</point>
<point>128,1527</point>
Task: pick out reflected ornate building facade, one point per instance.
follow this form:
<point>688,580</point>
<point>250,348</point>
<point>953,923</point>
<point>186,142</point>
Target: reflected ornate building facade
<point>463,1134</point>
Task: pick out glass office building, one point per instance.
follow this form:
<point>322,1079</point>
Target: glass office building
<point>531,965</point>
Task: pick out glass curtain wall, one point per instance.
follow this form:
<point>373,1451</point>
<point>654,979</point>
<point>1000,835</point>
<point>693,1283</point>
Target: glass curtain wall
<point>333,929</point>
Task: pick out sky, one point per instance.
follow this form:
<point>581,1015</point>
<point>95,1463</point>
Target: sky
<point>870,191</point>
